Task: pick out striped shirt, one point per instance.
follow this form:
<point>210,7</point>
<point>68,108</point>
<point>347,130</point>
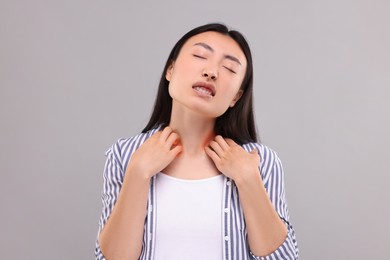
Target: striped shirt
<point>234,233</point>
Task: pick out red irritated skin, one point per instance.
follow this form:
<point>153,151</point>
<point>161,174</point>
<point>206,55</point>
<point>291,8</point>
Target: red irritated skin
<point>204,89</point>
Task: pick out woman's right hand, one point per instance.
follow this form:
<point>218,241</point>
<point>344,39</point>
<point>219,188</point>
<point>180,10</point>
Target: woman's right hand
<point>156,153</point>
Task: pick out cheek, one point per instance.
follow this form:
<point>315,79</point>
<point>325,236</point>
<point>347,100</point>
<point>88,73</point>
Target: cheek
<point>229,94</point>
<point>175,88</point>
<point>230,88</point>
<point>179,72</point>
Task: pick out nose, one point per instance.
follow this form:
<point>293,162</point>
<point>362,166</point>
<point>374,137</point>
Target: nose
<point>209,74</point>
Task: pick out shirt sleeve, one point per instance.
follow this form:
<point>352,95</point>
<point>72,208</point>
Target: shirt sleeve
<point>273,178</point>
<point>112,183</point>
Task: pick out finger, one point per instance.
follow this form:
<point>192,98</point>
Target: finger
<point>156,134</point>
<point>221,141</point>
<point>165,133</point>
<point>175,151</point>
<point>230,142</point>
<point>173,139</point>
<point>256,153</point>
<point>216,148</point>
<point>212,154</point>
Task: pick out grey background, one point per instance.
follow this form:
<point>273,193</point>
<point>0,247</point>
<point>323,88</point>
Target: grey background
<point>77,75</point>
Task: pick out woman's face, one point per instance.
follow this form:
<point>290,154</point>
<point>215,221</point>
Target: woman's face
<point>207,75</point>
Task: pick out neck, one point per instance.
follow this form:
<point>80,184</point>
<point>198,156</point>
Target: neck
<point>195,130</point>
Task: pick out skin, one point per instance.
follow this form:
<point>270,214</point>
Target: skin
<point>189,149</point>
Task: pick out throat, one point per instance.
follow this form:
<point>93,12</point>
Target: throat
<point>195,131</point>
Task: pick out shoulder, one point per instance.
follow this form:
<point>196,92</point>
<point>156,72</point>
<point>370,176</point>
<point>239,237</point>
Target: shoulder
<point>123,148</point>
<point>265,152</point>
<point>269,159</point>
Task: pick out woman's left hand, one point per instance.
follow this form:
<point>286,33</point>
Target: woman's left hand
<point>231,159</point>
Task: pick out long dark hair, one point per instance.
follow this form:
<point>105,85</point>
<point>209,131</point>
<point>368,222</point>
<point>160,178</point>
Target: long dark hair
<point>237,122</point>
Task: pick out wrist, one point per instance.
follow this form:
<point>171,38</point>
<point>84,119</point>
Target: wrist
<point>249,178</point>
<point>139,173</point>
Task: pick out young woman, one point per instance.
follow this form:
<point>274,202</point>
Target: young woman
<point>196,184</point>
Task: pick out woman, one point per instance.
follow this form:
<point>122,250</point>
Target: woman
<point>195,184</point>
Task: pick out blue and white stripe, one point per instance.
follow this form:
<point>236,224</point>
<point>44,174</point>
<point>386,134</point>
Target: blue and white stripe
<point>235,235</point>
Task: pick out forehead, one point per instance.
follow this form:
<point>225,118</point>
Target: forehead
<point>220,43</point>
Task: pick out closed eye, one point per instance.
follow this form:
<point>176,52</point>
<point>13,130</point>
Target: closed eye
<point>198,56</point>
<point>229,69</point>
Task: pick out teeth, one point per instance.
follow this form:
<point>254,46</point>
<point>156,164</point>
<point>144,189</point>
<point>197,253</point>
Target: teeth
<point>204,90</point>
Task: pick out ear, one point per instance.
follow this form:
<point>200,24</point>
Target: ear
<point>236,98</point>
<point>168,73</point>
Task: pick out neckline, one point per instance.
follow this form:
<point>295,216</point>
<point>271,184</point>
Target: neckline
<point>163,175</point>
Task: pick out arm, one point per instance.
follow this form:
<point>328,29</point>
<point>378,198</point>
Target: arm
<point>266,231</point>
<point>121,235</point>
<point>270,236</point>
<point>273,181</point>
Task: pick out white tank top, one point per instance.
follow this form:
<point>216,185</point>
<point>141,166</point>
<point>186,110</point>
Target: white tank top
<point>189,218</point>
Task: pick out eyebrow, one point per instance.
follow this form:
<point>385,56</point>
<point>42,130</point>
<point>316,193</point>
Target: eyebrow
<point>208,47</point>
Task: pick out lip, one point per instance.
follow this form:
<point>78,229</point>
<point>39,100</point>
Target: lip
<point>205,85</point>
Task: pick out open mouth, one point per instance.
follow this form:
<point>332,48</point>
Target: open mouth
<point>205,89</point>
